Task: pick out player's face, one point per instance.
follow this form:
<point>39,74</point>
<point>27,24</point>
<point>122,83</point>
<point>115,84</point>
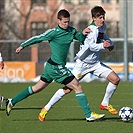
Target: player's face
<point>64,22</point>
<point>99,21</point>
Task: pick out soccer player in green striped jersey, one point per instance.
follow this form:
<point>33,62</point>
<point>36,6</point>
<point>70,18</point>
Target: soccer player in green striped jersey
<point>59,39</point>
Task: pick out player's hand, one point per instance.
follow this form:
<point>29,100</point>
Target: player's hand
<point>1,64</point>
<point>19,49</point>
<point>106,44</point>
<point>86,31</point>
<point>110,48</point>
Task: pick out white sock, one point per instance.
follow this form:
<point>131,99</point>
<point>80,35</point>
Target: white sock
<point>56,97</point>
<point>108,94</point>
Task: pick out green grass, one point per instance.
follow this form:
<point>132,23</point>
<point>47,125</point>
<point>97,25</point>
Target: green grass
<point>66,116</point>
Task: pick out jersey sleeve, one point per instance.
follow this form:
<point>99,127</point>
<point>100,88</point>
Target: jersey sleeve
<point>107,38</point>
<point>91,40</point>
<point>79,36</point>
<point>46,36</point>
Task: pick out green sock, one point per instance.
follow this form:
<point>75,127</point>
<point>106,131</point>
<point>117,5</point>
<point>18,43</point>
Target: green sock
<point>22,95</point>
<point>82,100</point>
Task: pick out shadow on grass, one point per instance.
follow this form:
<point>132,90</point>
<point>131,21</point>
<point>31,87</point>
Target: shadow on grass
<point>67,119</point>
<point>74,119</point>
<point>116,119</point>
<point>23,108</point>
<point>105,119</point>
<point>61,119</point>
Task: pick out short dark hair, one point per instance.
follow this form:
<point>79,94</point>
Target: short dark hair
<point>97,11</point>
<point>63,13</point>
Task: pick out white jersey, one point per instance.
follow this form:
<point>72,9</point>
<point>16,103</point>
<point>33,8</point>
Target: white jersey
<point>1,57</point>
<point>89,52</point>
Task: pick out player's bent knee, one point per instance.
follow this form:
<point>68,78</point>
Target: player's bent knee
<point>67,89</point>
<point>116,80</point>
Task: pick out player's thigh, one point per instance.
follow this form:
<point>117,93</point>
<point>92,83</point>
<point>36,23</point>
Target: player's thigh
<point>113,78</point>
<point>40,85</point>
<point>102,71</point>
<point>74,85</point>
<point>80,70</point>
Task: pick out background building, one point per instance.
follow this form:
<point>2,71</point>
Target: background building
<point>22,19</point>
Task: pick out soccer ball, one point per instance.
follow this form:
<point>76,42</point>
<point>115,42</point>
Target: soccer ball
<point>126,113</point>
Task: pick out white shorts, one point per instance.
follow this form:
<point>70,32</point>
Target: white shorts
<point>81,69</point>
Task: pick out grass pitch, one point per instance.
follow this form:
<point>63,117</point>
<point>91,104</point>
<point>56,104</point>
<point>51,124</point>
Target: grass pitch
<point>66,116</point>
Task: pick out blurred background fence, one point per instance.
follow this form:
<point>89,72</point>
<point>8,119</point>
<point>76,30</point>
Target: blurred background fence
<point>117,55</point>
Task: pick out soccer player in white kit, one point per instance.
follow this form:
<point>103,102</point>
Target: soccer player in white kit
<point>87,61</point>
